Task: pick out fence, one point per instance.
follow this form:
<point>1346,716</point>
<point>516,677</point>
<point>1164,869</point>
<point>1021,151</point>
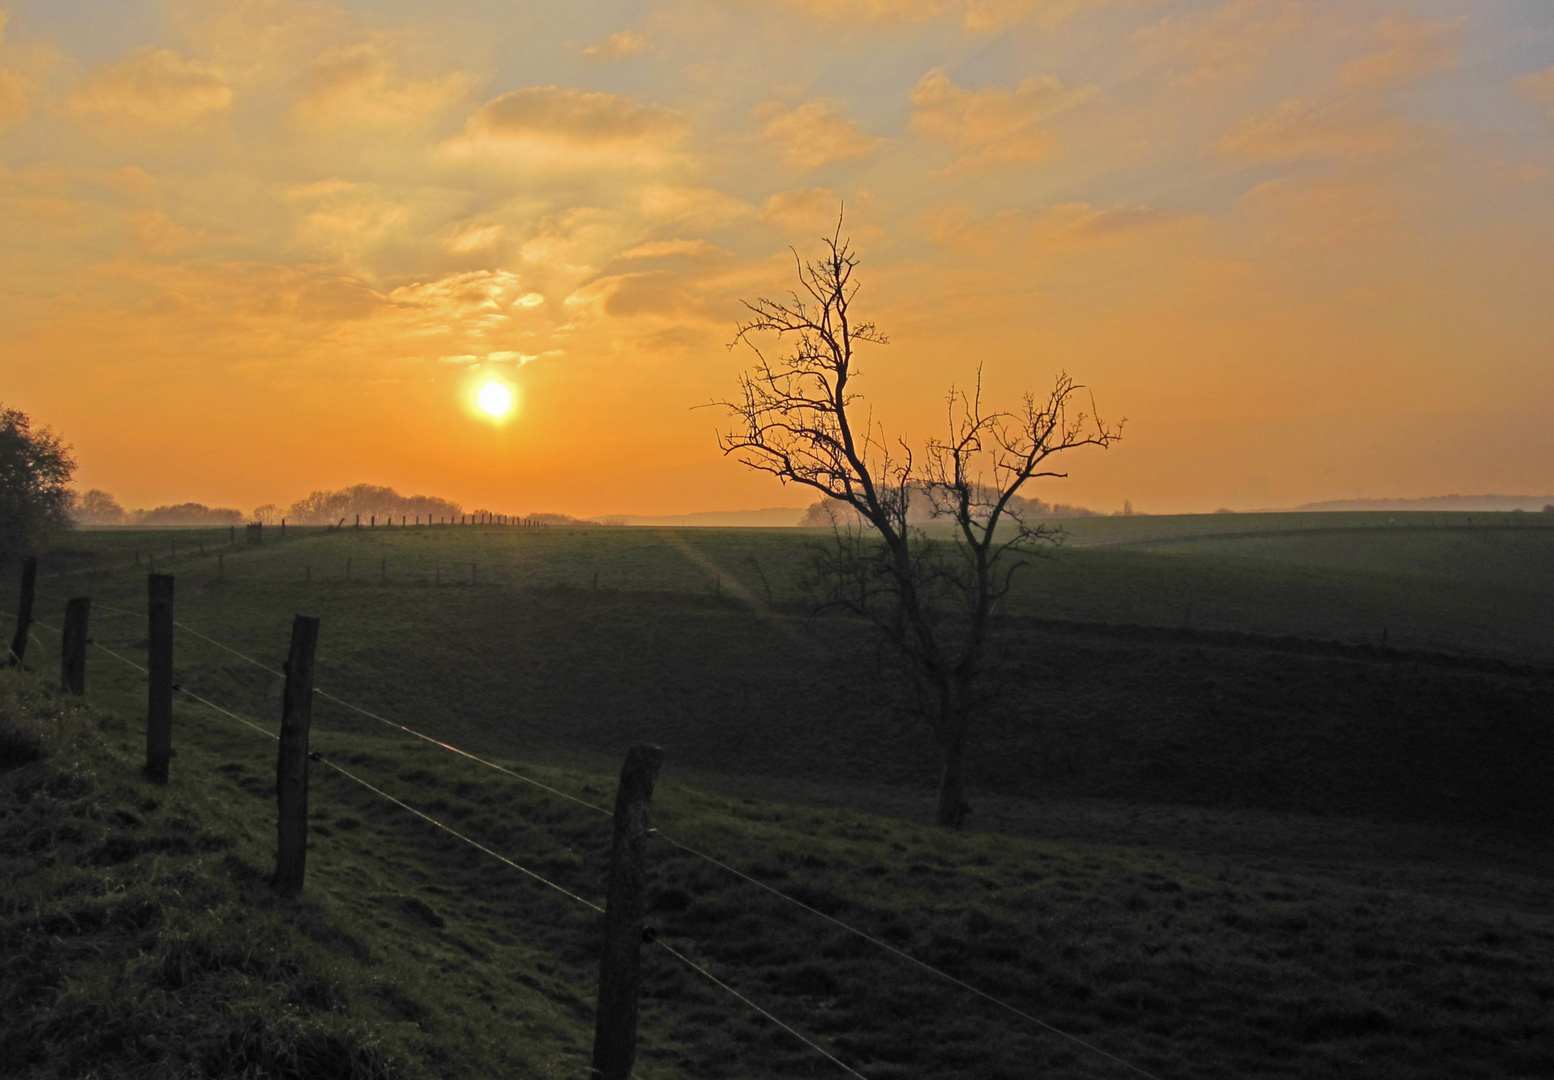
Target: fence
<point>622,912</point>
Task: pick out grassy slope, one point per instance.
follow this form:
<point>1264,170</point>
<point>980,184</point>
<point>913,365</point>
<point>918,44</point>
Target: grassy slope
<point>442,960</point>
<point>1207,942</point>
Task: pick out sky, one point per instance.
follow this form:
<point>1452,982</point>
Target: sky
<point>250,249</point>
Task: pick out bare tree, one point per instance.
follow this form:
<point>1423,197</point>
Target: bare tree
<point>931,593</point>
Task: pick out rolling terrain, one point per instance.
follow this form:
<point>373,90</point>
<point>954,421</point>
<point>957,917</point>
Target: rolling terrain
<point>1251,841</point>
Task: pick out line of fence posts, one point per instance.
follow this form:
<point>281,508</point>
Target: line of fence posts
<point>72,649</point>
<point>291,765</point>
<point>24,611</point>
<point>620,961</point>
<point>159,677</point>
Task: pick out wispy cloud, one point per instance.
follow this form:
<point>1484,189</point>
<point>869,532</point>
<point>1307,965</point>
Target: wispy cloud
<point>813,134</point>
<point>993,125</point>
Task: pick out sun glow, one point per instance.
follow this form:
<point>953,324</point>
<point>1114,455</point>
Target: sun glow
<point>495,399</point>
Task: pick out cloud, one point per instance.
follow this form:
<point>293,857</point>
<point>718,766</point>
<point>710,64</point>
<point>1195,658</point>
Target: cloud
<point>975,15</point>
<point>1224,44</point>
<point>695,208</point>
<point>1325,213</point>
<point>1065,226</point>
<point>661,249</point>
<point>1300,130</point>
<point>617,46</point>
<point>803,210</point>
<point>1415,48</point>
<point>475,238</point>
<point>15,89</point>
<point>151,90</point>
<point>359,86</point>
<point>993,126</point>
<point>1539,89</point>
<point>557,128</point>
<point>338,300</point>
<point>812,134</point>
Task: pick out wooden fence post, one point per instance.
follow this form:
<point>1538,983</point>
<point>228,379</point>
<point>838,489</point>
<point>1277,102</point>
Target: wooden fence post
<point>72,651</point>
<point>291,766</point>
<point>283,528</point>
<point>232,537</point>
<point>620,964</point>
<point>159,677</point>
<point>24,611</point>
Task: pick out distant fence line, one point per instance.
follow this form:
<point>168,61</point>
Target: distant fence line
<point>624,930</point>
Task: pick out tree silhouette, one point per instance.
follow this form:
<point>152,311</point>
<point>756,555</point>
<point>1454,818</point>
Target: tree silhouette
<point>35,495</point>
<point>930,593</point>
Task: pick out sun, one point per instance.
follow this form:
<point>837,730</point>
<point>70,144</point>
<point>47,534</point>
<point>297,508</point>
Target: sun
<point>495,399</point>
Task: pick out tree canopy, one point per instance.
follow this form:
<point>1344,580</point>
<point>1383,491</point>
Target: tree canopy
<point>35,472</point>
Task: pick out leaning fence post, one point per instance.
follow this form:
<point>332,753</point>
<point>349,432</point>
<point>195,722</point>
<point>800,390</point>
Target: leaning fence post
<point>24,610</point>
<point>72,651</point>
<point>620,964</point>
<point>159,677</point>
<point>291,767</point>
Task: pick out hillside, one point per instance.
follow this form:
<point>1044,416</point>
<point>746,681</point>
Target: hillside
<point>1206,852</point>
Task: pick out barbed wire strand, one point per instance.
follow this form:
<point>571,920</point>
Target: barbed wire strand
<point>668,839</point>
<point>542,880</point>
<point>454,832</point>
<point>378,791</point>
<point>906,956</point>
<point>688,962</point>
<point>401,727</point>
<point>1044,1025</point>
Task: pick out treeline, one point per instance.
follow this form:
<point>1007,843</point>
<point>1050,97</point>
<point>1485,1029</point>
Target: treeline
<point>828,512</point>
<point>368,500</point>
<point>98,507</point>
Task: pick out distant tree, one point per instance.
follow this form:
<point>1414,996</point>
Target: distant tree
<point>268,514</point>
<point>97,507</point>
<point>930,592</point>
<point>189,513</point>
<point>35,495</point>
<point>368,500</point>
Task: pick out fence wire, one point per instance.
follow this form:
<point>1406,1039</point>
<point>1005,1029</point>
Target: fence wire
<point>861,934</point>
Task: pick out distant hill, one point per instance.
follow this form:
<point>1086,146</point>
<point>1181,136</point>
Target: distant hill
<point>772,517</point>
<point>1438,502</point>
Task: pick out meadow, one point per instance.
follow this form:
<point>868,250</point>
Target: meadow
<point>1244,840</point>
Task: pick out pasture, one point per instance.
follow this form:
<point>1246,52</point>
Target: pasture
<point>1248,841</point>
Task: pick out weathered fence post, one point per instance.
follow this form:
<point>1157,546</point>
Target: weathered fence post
<point>283,528</point>
<point>72,651</point>
<point>620,964</point>
<point>24,611</point>
<point>232,539</point>
<point>159,677</point>
<point>291,767</point>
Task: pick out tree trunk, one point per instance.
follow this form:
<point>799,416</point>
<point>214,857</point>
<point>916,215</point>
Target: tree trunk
<point>953,722</point>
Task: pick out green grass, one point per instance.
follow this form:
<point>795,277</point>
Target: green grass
<point>1431,581</point>
<point>1209,855</point>
<point>412,954</point>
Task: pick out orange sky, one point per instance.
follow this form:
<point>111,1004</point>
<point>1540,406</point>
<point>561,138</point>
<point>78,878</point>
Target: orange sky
<point>259,247</point>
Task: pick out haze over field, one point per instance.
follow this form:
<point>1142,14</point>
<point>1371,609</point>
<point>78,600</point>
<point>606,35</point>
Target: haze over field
<point>252,248</point>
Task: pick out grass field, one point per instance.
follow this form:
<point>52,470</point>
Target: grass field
<point>1211,851</point>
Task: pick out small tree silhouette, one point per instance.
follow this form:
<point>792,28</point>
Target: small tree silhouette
<point>931,597</point>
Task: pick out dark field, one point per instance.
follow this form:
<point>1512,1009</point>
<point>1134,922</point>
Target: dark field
<point>1261,844</point>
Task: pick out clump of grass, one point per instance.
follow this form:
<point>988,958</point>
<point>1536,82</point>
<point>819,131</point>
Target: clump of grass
<point>126,947</point>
